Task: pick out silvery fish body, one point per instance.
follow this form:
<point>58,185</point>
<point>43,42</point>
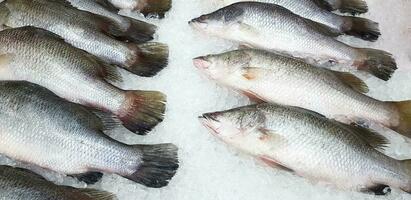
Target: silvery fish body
<point>20,184</point>
<point>44,130</point>
<point>311,146</point>
<point>340,24</point>
<point>279,79</point>
<point>38,56</point>
<point>274,28</point>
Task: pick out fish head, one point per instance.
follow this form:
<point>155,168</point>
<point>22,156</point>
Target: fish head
<point>226,68</point>
<point>220,22</point>
<point>239,127</point>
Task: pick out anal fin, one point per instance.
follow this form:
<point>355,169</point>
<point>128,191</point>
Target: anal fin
<point>89,177</point>
<point>378,189</point>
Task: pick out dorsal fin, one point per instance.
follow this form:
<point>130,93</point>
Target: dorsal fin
<point>376,140</point>
<point>322,28</point>
<point>352,81</point>
<point>108,121</point>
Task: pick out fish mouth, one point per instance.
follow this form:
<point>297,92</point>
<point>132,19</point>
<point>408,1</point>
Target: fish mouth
<point>199,20</point>
<point>210,121</point>
<point>201,63</point>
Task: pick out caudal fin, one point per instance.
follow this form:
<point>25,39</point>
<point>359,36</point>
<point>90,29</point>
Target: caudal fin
<point>142,110</point>
<point>377,62</point>
<point>404,110</point>
<point>353,6</point>
<point>137,32</point>
<point>361,28</point>
<point>150,58</point>
<point>155,7</point>
<point>159,165</point>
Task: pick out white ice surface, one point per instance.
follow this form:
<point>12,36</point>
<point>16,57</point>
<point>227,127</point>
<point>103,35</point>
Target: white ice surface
<point>210,170</point>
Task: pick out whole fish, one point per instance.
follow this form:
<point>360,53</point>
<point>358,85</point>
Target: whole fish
<point>41,57</point>
<point>311,146</point>
<point>131,29</point>
<point>279,79</point>
<point>86,31</point>
<point>21,184</point>
<point>344,6</point>
<point>146,7</point>
<point>274,28</point>
<point>41,129</point>
<point>355,26</point>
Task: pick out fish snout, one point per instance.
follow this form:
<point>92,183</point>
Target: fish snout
<point>211,122</point>
<point>201,63</point>
<point>199,20</point>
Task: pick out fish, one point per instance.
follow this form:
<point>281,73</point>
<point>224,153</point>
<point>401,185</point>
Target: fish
<point>274,28</point>
<point>43,130</point>
<point>359,27</point>
<point>311,146</point>
<point>132,30</point>
<point>22,184</point>
<point>86,31</point>
<point>345,6</point>
<point>275,78</point>
<point>146,7</point>
<point>41,57</point>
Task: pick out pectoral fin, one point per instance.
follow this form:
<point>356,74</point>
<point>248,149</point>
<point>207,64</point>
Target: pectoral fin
<point>274,164</point>
<point>252,73</point>
<point>5,60</point>
<point>248,29</point>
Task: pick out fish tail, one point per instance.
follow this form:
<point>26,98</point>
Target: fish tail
<point>157,7</point>
<point>404,110</point>
<point>93,194</point>
<point>353,6</point>
<point>150,58</point>
<point>362,28</point>
<point>377,62</point>
<point>142,110</point>
<point>138,31</point>
<point>159,165</point>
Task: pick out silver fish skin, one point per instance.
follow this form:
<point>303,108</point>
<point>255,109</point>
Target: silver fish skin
<point>130,29</point>
<point>359,27</point>
<point>21,184</point>
<point>279,79</point>
<point>311,146</point>
<point>146,7</point>
<point>86,31</point>
<point>38,56</point>
<point>44,130</point>
<point>274,28</point>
